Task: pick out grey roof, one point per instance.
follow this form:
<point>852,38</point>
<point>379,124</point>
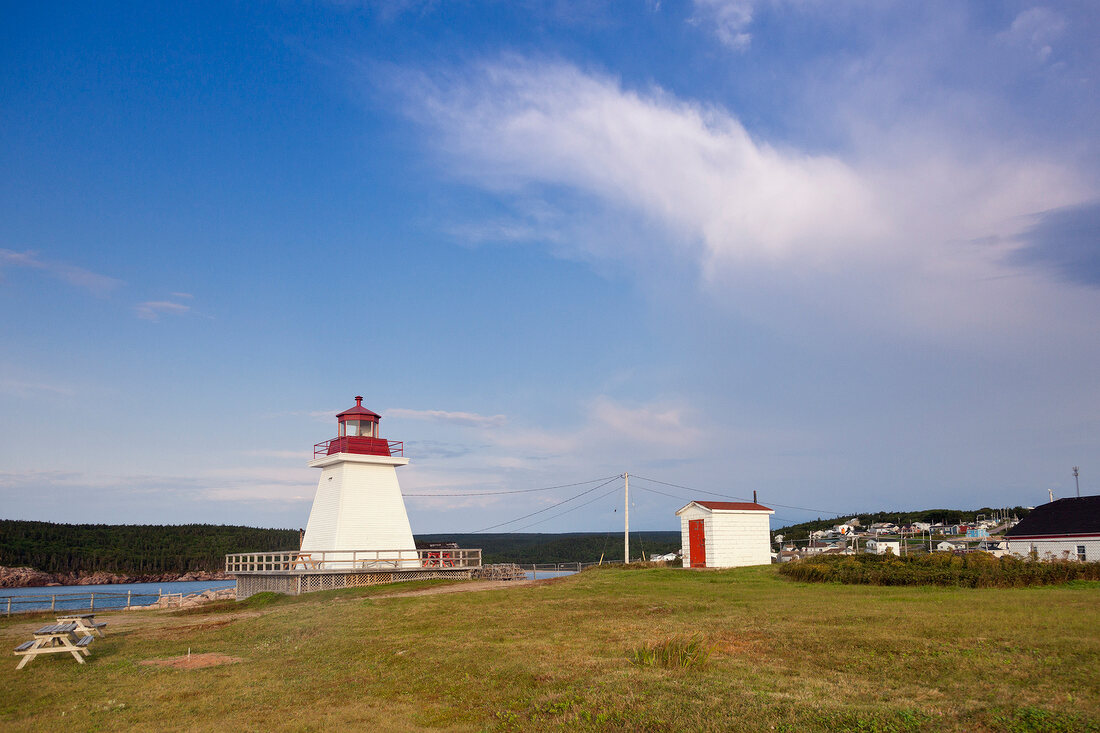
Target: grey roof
<point>1073,515</point>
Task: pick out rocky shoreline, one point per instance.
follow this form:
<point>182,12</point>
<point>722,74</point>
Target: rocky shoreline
<point>31,578</point>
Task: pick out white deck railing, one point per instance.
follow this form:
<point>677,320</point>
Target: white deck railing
<point>292,561</point>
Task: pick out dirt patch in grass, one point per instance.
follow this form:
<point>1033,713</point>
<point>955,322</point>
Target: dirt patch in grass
<point>193,661</point>
<point>173,631</point>
<point>736,644</point>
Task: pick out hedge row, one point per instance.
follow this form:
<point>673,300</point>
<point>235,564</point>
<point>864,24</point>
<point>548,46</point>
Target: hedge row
<point>973,570</point>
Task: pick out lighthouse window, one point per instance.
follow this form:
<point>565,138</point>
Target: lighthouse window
<point>357,428</point>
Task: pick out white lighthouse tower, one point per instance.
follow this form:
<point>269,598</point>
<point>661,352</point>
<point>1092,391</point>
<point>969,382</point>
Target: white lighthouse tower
<point>358,505</point>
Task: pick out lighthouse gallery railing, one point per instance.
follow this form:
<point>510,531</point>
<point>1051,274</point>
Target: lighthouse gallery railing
<point>359,446</point>
<point>289,561</point>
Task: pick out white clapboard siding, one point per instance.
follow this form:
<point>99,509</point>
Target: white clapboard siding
<point>733,538</point>
<point>1057,549</point>
<point>358,506</point>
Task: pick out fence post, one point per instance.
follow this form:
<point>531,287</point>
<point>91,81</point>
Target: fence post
<point>128,599</point>
<point>9,605</point>
<point>91,602</point>
<point>53,603</point>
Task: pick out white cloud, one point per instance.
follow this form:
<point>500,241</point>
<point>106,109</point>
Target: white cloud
<point>151,310</point>
<point>730,20</point>
<point>690,168</point>
<point>91,281</point>
<point>468,419</point>
<point>667,426</point>
<point>1035,29</point>
<point>254,484</point>
<point>29,388</point>
<point>772,228</point>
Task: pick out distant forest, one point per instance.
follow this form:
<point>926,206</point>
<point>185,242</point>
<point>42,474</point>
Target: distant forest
<point>571,547</point>
<point>132,548</point>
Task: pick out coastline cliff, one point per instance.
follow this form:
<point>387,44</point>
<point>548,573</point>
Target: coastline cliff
<point>31,578</point>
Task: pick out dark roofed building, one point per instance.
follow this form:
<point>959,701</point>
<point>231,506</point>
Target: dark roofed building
<point>1066,528</point>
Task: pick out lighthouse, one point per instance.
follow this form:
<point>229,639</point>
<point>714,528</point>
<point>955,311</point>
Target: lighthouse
<point>358,505</point>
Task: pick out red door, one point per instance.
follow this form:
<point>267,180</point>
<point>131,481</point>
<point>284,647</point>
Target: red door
<point>697,543</point>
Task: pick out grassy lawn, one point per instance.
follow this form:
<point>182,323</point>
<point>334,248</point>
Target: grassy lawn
<point>557,656</point>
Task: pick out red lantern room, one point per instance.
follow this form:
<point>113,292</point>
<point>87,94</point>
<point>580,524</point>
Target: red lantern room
<point>358,434</point>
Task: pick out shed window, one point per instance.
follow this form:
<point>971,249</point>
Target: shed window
<point>1081,553</point>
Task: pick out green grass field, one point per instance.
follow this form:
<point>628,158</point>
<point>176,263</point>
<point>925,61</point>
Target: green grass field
<point>562,655</point>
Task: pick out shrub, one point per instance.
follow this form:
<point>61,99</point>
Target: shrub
<point>973,570</point>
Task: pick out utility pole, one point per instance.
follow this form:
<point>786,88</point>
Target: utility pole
<point>626,520</point>
<point>1077,480</point>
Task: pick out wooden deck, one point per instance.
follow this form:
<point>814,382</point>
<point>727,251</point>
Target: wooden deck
<point>294,572</point>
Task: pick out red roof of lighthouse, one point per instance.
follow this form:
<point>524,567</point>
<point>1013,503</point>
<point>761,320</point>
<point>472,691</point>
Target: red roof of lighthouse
<point>358,411</point>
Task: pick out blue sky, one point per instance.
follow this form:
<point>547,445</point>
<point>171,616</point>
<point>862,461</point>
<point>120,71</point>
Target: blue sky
<point>845,254</point>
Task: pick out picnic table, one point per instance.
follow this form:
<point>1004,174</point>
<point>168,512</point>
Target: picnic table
<point>86,625</point>
<point>305,559</point>
<point>54,639</point>
<point>439,559</point>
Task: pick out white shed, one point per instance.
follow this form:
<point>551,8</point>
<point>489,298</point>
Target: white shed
<point>725,534</point>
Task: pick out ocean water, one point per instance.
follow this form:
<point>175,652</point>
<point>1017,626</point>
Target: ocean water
<point>77,597</point>
<point>543,574</point>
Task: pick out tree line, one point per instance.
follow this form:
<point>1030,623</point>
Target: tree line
<point>132,548</point>
<point>147,548</point>
<point>554,548</point>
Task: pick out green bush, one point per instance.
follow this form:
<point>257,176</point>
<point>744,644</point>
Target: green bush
<point>973,570</point>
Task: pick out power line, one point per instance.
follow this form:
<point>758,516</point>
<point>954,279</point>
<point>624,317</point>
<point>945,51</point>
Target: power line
<point>674,496</point>
<point>517,491</point>
<point>663,493</point>
<point>540,511</point>
<point>739,498</point>
<point>562,514</point>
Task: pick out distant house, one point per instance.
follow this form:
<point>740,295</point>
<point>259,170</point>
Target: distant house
<point>881,547</point>
<point>1066,528</point>
<point>725,534</point>
<point>977,532</point>
<point>787,556</point>
<point>921,526</point>
<point>946,546</point>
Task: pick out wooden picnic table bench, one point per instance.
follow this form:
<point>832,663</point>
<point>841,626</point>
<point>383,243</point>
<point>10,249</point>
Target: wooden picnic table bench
<point>86,624</point>
<point>305,559</point>
<point>53,639</point>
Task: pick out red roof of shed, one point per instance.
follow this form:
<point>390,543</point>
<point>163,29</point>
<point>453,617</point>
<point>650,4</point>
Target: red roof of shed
<point>731,505</point>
